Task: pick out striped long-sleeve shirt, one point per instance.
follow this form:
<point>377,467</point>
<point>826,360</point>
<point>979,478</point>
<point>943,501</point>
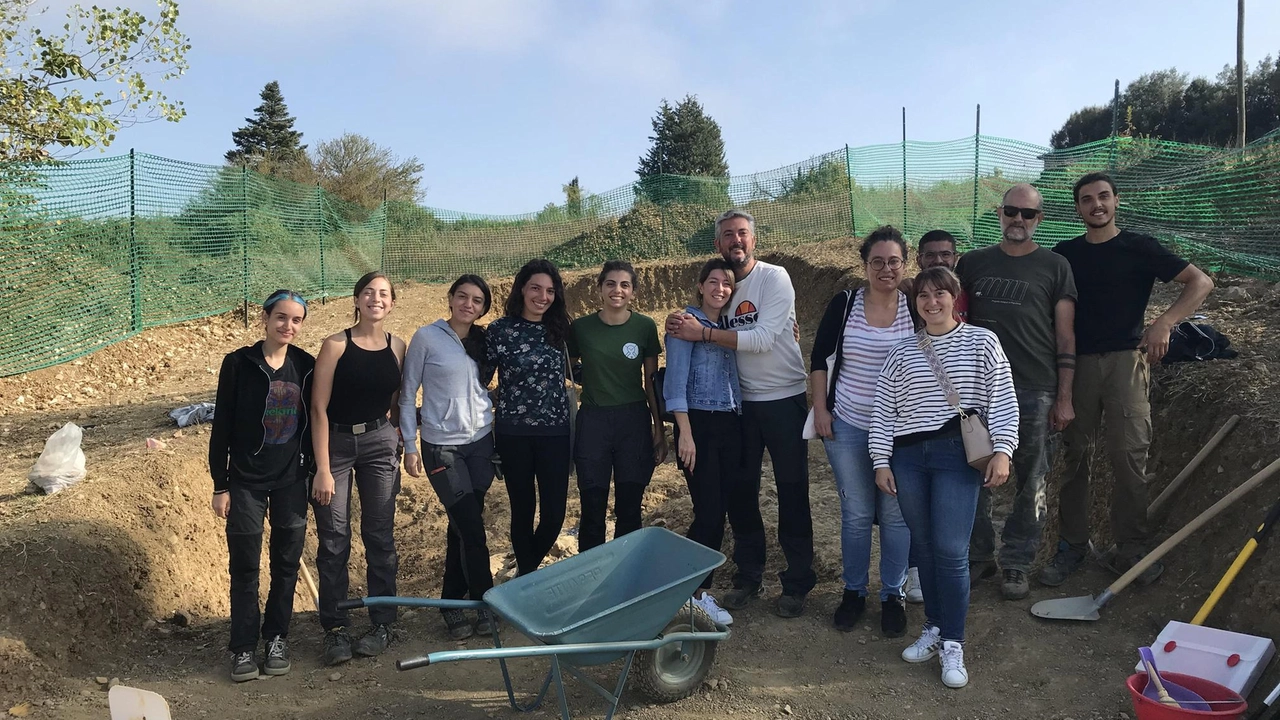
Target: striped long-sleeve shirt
<point>909,399</point>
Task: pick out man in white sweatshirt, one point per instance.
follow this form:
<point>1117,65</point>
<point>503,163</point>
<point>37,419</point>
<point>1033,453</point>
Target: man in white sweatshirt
<point>758,324</point>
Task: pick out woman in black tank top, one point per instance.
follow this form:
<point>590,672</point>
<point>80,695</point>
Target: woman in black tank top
<point>354,428</point>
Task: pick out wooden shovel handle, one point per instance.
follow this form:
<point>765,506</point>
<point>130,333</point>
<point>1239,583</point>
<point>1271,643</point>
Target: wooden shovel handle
<point>1199,522</point>
<point>1192,466</point>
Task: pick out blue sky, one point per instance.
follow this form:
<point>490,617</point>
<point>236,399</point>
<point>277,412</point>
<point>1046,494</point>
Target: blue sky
<point>505,100</point>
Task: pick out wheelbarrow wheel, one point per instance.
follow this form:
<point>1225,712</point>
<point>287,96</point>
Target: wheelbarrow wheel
<point>673,672</point>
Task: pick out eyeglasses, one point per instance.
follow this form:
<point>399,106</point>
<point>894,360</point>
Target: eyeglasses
<point>892,263</point>
<point>1015,211</point>
<point>940,255</point>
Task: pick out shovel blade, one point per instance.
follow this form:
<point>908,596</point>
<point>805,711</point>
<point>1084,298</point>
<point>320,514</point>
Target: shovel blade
<point>1084,607</point>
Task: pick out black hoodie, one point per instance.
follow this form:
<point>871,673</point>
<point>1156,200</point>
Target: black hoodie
<point>239,447</point>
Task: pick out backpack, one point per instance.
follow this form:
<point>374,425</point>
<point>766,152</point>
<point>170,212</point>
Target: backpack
<point>658,379</point>
<point>1191,341</point>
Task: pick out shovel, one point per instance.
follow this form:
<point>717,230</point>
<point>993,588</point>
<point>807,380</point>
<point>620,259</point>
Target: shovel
<point>1086,607</point>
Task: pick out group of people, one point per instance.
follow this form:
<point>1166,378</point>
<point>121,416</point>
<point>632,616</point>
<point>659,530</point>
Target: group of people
<point>1024,340</point>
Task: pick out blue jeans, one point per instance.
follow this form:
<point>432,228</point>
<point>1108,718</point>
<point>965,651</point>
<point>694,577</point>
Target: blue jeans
<point>1020,539</point>
<point>861,503</point>
<point>938,493</point>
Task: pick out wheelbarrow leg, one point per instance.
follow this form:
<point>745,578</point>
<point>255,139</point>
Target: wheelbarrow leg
<point>564,701</point>
<point>614,697</point>
<point>506,680</point>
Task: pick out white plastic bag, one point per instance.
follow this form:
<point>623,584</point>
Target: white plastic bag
<point>61,464</point>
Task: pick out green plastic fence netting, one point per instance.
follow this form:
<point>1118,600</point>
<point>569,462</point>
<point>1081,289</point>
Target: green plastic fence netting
<point>93,251</point>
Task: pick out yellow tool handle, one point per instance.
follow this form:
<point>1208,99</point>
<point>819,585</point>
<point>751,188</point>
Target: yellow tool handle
<point>1225,582</point>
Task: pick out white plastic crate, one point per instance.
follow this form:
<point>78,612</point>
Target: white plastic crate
<point>1231,659</point>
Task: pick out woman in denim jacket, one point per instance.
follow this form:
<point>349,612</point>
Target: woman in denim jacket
<point>701,391</point>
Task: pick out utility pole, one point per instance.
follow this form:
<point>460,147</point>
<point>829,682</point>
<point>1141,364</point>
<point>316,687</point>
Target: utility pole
<point>1240,72</point>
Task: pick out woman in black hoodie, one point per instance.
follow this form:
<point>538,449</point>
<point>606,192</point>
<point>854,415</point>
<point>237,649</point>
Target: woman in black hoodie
<point>260,458</point>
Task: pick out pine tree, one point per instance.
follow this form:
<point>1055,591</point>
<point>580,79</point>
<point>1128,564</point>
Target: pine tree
<point>573,198</point>
<point>269,135</point>
<point>686,141</point>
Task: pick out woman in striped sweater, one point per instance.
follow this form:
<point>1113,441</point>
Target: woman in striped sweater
<point>865,325</point>
<point>919,455</point>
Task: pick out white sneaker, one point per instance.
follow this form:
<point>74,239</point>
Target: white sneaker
<point>925,647</point>
<point>953,673</point>
<point>912,589</point>
<point>711,608</point>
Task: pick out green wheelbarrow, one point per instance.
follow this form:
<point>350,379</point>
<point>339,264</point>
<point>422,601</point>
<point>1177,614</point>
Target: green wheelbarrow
<point>629,599</point>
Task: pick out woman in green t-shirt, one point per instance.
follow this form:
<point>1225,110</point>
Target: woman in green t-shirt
<point>619,434</point>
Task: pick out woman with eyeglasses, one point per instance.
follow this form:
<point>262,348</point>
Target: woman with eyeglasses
<point>918,452</point>
<point>863,325</point>
<point>259,457</point>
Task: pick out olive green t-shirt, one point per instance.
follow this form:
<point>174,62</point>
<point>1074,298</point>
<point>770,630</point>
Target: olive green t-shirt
<point>613,358</point>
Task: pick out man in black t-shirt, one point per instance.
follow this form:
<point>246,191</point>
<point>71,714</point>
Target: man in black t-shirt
<point>1114,271</point>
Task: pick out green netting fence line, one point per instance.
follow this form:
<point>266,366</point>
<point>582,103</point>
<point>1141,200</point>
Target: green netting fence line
<point>94,251</point>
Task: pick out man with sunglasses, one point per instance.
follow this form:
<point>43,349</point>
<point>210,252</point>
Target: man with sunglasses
<point>1026,295</point>
<point>1115,270</point>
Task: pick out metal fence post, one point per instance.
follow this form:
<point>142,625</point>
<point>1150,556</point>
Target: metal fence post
<point>904,170</point>
<point>382,262</point>
<point>848,171</point>
<point>244,239</point>
<point>324,295</point>
<point>977,147</point>
<point>135,253</point>
<point>1115,124</point>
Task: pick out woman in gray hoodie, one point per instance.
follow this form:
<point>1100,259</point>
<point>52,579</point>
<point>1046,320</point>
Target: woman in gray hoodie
<point>456,422</point>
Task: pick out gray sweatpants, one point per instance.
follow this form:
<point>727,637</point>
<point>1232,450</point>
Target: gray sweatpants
<point>371,460</point>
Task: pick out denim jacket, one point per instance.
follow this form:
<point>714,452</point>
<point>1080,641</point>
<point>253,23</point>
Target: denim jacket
<point>700,376</point>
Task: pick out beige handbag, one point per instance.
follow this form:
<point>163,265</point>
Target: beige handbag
<point>978,449</point>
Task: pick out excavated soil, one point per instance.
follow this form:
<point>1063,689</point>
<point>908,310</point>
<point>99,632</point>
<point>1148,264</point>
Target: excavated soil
<point>124,575</point>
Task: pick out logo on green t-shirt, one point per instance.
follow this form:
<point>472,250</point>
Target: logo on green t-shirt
<point>631,350</point>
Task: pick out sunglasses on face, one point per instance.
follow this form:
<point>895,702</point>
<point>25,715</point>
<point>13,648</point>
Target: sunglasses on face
<point>893,263</point>
<point>1014,211</point>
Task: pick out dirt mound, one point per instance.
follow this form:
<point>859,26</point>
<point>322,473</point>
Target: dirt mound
<point>99,568</point>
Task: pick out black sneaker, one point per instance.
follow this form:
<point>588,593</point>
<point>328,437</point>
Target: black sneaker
<point>485,622</point>
<point>277,662</point>
<point>337,646</point>
<point>1068,559</point>
<point>852,605</point>
<point>740,597</point>
<point>1015,585</point>
<point>243,666</point>
<point>455,621</point>
<point>373,642</point>
<point>790,606</point>
<point>893,617</point>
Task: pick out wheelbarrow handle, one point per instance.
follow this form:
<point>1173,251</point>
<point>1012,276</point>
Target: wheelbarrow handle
<point>351,604</point>
<point>394,601</point>
<point>413,663</point>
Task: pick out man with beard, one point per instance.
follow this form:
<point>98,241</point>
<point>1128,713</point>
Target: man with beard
<point>1025,294</point>
<point>937,248</point>
<point>1115,271</point>
<point>759,323</point>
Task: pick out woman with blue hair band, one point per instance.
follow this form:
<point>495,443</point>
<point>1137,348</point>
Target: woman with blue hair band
<point>260,457</point>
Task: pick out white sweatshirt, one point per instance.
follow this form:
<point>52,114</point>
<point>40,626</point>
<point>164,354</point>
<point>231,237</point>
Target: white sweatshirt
<point>763,312</point>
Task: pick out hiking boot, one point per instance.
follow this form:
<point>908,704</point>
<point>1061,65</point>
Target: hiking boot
<point>925,646</point>
<point>374,641</point>
<point>790,606</point>
<point>1121,565</point>
<point>980,570</point>
<point>954,675</point>
<point>457,624</point>
<point>243,666</point>
<point>337,646</point>
<point>911,590</point>
<point>277,662</point>
<point>852,605</point>
<point>1068,559</point>
<point>713,609</point>
<point>1015,585</point>
<point>740,597</point>
<point>893,617</point>
<point>484,622</point>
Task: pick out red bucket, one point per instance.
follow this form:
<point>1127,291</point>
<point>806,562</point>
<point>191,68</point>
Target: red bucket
<point>1147,709</point>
